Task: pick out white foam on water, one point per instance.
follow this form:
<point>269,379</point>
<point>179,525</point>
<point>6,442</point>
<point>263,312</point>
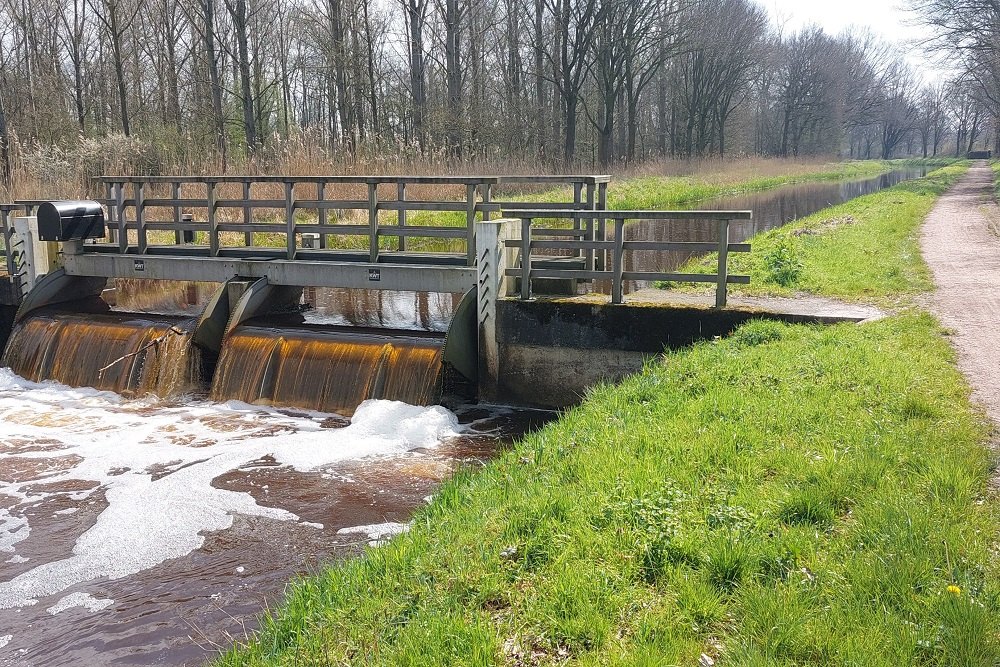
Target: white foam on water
<point>5,640</point>
<point>155,464</point>
<point>17,560</point>
<point>84,600</point>
<point>377,533</point>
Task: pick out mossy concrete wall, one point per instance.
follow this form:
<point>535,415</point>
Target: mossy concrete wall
<point>549,352</point>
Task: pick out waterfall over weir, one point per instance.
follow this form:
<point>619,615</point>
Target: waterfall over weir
<point>130,354</point>
<point>328,369</point>
<point>323,368</point>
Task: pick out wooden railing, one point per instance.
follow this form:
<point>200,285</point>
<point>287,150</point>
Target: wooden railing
<point>131,200</point>
<point>598,258</point>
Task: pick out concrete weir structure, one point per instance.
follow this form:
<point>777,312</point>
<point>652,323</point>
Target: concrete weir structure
<point>533,329</point>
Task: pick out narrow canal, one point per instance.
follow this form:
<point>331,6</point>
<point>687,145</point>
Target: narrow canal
<point>771,208</point>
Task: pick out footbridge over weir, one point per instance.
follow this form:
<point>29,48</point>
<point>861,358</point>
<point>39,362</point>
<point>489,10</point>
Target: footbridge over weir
<point>266,238</point>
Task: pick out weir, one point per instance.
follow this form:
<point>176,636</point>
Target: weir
<point>251,341</point>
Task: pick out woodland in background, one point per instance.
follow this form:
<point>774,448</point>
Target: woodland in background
<point>205,85</point>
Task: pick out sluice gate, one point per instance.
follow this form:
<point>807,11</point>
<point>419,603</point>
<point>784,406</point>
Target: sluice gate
<point>262,241</point>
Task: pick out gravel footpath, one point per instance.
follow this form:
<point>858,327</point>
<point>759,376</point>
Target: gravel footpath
<point>960,244</point>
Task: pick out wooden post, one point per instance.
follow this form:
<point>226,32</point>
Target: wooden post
<point>525,258</point>
<point>618,263</point>
<point>120,217</point>
<point>213,223</point>
<point>247,214</point>
<point>175,193</point>
<point>721,287</point>
<point>290,218</point>
<point>577,199</point>
<point>470,224</point>
<point>138,191</point>
<point>110,232</point>
<point>373,222</point>
<point>487,199</point>
<point>321,195</point>
<point>591,262</point>
<point>401,215</point>
<point>602,228</point>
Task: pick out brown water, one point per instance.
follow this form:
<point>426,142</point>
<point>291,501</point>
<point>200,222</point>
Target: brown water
<point>327,369</point>
<point>131,355</point>
<point>186,609</point>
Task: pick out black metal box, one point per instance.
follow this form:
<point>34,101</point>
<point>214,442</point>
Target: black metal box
<point>70,221</point>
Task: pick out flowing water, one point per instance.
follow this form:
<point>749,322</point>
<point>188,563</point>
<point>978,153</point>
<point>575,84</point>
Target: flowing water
<point>328,369</point>
<point>131,355</point>
<point>141,532</point>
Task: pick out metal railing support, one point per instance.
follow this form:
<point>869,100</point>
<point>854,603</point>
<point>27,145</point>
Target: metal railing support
<point>722,283</point>
<point>213,223</point>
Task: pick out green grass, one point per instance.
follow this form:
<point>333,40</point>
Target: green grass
<point>790,495</point>
<point>659,193</point>
<point>867,248</point>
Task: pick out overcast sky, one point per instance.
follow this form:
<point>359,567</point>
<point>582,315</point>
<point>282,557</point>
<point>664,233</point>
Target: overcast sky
<point>887,18</point>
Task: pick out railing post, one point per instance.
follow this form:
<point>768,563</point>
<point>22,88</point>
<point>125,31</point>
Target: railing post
<point>110,232</point>
<point>401,215</point>
<point>602,229</point>
<point>470,224</point>
<point>722,286</point>
<point>320,196</point>
<point>577,201</point>
<point>175,193</point>
<point>138,191</point>
<point>290,218</point>
<point>213,223</point>
<point>373,222</point>
<point>247,214</point>
<point>525,258</point>
<point>591,229</point>
<point>618,262</point>
<point>120,217</point>
<point>487,199</point>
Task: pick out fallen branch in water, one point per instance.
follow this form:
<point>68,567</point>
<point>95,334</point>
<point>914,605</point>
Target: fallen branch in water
<point>156,341</point>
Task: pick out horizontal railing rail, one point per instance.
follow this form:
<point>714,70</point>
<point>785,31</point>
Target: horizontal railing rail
<point>186,205</point>
<point>588,240</point>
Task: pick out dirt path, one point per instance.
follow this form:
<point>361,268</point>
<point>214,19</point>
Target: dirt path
<point>960,244</point>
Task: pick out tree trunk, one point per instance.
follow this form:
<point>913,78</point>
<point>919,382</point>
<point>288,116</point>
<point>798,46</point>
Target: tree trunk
<point>208,6</point>
<point>415,10</point>
<point>5,174</point>
<point>453,75</point>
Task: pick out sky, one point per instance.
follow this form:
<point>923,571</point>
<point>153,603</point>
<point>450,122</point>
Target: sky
<point>887,18</point>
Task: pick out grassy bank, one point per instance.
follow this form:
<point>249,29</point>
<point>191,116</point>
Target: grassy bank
<point>662,193</point>
<point>866,248</point>
<point>788,495</point>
